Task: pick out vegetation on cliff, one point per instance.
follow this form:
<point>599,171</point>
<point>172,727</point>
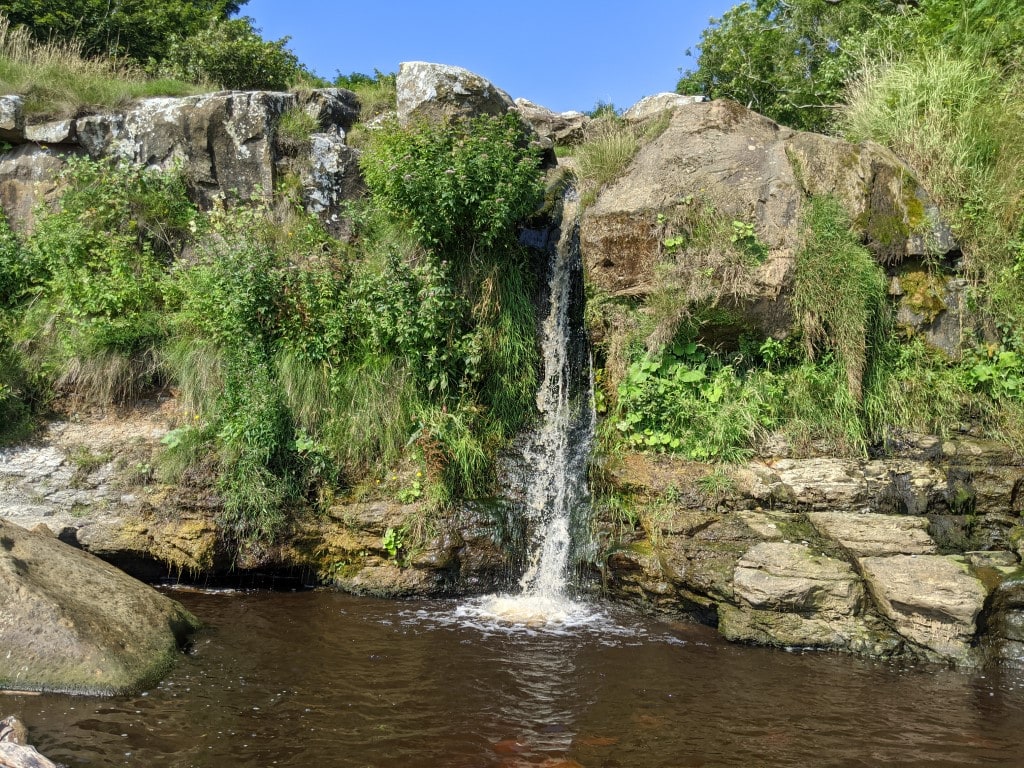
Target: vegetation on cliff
<point>307,366</point>
<point>939,83</point>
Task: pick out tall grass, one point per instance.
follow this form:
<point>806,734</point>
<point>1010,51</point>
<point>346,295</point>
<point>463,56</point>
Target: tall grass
<point>56,79</point>
<point>959,121</point>
<point>839,292</point>
<point>608,147</point>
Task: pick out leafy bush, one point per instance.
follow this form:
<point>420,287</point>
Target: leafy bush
<point>687,401</point>
<point>461,185</point>
<point>232,54</point>
<point>95,268</point>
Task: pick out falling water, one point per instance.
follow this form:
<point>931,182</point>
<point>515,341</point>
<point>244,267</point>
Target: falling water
<point>557,456</point>
<point>553,483</point>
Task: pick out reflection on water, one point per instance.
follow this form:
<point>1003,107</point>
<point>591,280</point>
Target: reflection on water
<point>331,680</point>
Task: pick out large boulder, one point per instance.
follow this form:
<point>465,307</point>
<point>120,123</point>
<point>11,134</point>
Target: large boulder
<point>70,622</point>
<point>722,162</point>
<point>435,92</point>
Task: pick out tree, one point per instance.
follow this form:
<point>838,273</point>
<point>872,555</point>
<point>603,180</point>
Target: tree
<point>786,59</point>
<point>140,29</point>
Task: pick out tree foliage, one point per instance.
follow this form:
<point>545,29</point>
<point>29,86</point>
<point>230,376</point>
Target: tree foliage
<point>787,59</point>
<point>140,29</point>
<point>791,59</point>
<point>233,55</point>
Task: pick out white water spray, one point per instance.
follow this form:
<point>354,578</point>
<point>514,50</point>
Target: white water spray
<point>555,487</point>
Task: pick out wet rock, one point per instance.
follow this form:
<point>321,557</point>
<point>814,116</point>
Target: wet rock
<point>856,634</point>
<point>435,92</point>
<point>70,622</point>
<point>932,600</point>
<point>866,534</point>
<point>652,106</point>
<point>15,751</point>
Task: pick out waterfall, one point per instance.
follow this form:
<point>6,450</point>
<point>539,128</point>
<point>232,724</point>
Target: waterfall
<point>550,479</point>
<point>555,492</point>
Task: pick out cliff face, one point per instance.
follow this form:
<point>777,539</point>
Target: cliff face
<point>915,553</point>
<point>228,145</point>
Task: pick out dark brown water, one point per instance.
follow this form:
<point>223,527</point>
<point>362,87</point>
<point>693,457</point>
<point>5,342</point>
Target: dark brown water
<point>323,679</point>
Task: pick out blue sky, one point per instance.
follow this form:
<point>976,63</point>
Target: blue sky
<point>564,54</point>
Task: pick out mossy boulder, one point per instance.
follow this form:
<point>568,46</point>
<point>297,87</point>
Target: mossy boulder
<point>719,161</point>
<point>71,622</point>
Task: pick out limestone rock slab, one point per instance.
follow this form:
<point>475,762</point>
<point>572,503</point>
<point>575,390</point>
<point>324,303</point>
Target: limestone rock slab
<point>866,534</point>
<point>792,578</point>
<point>933,600</point>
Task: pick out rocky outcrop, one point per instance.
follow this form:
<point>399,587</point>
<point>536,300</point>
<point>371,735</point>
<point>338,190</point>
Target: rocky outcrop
<point>874,557</point>
<point>720,160</point>
<point>70,622</point>
<point>437,92</point>
<point>562,129</point>
<point>90,482</point>
<point>652,106</point>
<point>226,144</point>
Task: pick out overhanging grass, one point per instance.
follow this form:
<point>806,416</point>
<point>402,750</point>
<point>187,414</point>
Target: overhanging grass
<point>57,81</point>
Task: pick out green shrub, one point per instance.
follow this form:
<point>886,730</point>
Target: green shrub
<point>96,268</point>
<point>687,401</point>
<point>461,185</point>
<point>377,93</point>
<point>232,54</point>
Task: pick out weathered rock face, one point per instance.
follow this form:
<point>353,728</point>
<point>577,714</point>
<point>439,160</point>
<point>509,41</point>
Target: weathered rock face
<point>721,158</point>
<point>874,557</point>
<point>561,128</point>
<point>70,622</point>
<point>652,106</point>
<point>932,600</point>
<point>90,483</point>
<point>434,92</point>
<point>226,144</point>
<point>28,178</point>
